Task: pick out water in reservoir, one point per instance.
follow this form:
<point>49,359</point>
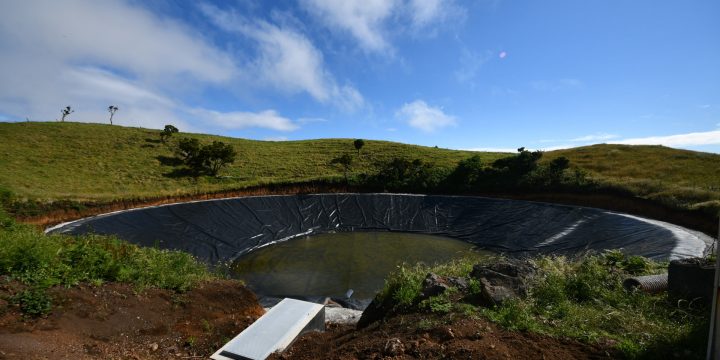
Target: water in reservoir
<point>330,264</point>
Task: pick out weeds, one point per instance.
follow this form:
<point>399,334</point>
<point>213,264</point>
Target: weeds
<point>41,261</point>
<point>33,302</point>
<point>581,299</point>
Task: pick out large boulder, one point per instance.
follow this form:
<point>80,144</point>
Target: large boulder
<point>502,281</point>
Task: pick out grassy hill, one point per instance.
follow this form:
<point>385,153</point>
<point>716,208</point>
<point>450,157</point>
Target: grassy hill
<point>94,162</point>
<point>681,178</point>
<point>77,161</point>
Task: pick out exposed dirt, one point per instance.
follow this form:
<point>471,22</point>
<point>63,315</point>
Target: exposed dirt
<point>428,336</point>
<point>113,321</point>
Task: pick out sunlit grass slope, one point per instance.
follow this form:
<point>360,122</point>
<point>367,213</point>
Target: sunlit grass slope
<point>675,177</point>
<point>94,162</point>
<point>77,161</point>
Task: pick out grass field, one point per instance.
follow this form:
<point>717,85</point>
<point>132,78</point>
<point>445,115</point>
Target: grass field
<point>76,161</point>
<point>93,162</point>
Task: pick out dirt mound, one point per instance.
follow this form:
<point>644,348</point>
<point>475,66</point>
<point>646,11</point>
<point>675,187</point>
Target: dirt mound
<point>429,336</point>
<point>115,321</point>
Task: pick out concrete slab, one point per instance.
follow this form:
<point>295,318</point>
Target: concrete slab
<point>274,331</point>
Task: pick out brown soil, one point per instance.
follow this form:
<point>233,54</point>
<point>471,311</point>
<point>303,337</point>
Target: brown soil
<point>114,321</point>
<point>428,336</point>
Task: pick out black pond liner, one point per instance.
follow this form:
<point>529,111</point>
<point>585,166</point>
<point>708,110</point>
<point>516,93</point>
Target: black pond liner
<point>222,230</point>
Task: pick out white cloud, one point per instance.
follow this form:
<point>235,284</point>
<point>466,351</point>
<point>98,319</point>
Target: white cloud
<point>426,118</point>
<point>425,11</point>
<point>680,140</point>
<point>287,60</point>
<point>112,33</point>
<point>90,54</point>
<point>369,21</point>
<point>268,119</point>
<point>362,18</point>
<point>595,137</point>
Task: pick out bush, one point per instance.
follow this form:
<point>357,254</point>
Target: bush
<point>582,299</point>
<point>167,132</point>
<point>408,175</point>
<point>45,260</point>
<point>207,159</point>
<point>33,302</point>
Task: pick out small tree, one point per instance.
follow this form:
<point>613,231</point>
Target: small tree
<point>65,112</point>
<point>217,155</point>
<point>557,167</point>
<point>344,161</point>
<point>359,143</point>
<point>204,159</point>
<point>167,132</point>
<point>112,109</point>
<point>188,149</point>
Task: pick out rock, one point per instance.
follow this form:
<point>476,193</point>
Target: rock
<point>154,347</point>
<point>458,282</point>
<point>433,285</point>
<point>500,282</point>
<point>375,311</point>
<point>394,347</point>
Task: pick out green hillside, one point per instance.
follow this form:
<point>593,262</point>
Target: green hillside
<point>683,178</point>
<point>94,162</point>
<point>78,161</point>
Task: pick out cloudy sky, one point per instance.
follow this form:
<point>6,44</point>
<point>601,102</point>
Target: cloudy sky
<point>476,74</point>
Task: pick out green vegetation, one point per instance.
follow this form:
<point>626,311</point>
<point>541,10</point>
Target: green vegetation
<point>40,261</point>
<point>358,144</point>
<point>204,159</point>
<point>81,163</point>
<point>582,299</point>
<point>678,178</point>
<point>94,162</point>
<point>168,132</point>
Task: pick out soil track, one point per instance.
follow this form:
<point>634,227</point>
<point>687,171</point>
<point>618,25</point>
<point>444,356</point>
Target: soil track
<point>429,336</point>
<point>113,321</point>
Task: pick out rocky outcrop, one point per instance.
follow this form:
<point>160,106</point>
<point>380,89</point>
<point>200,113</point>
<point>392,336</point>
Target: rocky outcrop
<point>502,281</point>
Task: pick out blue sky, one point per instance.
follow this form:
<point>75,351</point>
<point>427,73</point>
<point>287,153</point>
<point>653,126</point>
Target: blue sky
<point>485,74</point>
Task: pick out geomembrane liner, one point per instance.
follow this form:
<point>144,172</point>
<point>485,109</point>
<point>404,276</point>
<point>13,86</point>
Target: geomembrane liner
<point>222,230</point>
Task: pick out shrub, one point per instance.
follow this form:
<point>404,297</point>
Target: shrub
<point>207,159</point>
<point>167,132</point>
<point>45,260</point>
<point>358,143</point>
<point>33,302</point>
<point>408,175</point>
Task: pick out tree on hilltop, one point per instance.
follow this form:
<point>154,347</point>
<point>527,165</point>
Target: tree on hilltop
<point>167,132</point>
<point>359,143</point>
<point>112,109</point>
<point>65,112</point>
